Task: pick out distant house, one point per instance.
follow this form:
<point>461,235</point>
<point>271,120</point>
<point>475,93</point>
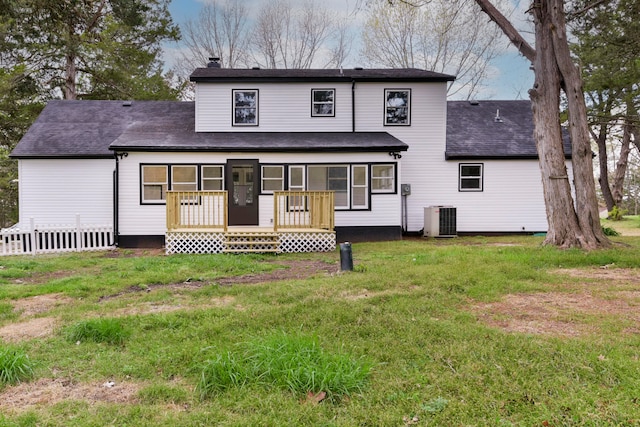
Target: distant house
<point>315,156</point>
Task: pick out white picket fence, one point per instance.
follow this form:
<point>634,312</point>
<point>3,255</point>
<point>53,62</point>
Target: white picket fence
<point>41,239</point>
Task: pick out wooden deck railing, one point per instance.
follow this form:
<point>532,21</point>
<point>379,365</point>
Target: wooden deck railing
<point>291,209</point>
<point>197,209</point>
<point>303,209</point>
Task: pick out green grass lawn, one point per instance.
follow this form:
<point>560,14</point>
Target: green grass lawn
<point>628,226</point>
<point>454,332</point>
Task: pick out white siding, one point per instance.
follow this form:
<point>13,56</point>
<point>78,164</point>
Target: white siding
<point>54,191</point>
<point>423,165</point>
<point>511,200</point>
<point>138,219</point>
<point>281,108</point>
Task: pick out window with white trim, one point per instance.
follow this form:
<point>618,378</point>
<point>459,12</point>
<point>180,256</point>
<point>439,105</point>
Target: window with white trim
<point>397,107</point>
<point>296,178</point>
<point>184,178</point>
<point>154,183</point>
<point>470,177</point>
<point>212,178</point>
<point>296,183</point>
<point>359,187</point>
<point>383,178</point>
<point>322,102</point>
<point>245,107</point>
<point>272,178</point>
<point>333,178</point>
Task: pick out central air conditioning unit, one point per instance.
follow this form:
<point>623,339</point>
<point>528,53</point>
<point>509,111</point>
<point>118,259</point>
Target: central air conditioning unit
<point>440,221</point>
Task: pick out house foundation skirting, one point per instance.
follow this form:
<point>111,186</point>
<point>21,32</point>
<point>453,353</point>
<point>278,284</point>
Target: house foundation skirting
<point>368,233</point>
<point>287,241</point>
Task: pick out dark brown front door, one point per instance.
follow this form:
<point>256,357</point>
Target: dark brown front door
<point>243,186</point>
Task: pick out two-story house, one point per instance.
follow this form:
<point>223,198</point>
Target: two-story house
<point>352,154</point>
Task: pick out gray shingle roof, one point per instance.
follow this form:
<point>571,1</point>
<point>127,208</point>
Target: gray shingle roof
<point>318,75</point>
<point>473,132</point>
<point>75,129</point>
<point>142,137</point>
<point>84,129</point>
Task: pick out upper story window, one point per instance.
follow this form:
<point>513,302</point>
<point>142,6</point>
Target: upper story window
<point>245,107</point>
<point>470,178</point>
<point>322,102</point>
<point>397,107</point>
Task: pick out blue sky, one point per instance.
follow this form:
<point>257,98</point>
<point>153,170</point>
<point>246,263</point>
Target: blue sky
<point>511,80</point>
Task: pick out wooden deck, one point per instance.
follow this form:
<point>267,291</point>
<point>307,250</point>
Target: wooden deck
<point>197,222</point>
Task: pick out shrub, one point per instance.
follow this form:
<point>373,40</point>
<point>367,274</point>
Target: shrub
<point>294,363</point>
<point>608,231</point>
<point>105,330</point>
<point>15,366</point>
<point>617,214</point>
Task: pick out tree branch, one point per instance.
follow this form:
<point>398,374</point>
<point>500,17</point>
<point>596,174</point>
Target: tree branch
<point>585,9</point>
<point>509,30</point>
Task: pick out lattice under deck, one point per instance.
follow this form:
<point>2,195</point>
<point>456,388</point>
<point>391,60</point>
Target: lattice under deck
<point>307,241</point>
<point>200,242</point>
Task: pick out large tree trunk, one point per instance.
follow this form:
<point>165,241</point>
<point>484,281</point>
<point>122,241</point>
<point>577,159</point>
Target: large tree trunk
<point>603,157</point>
<point>569,225</point>
<point>70,74</point>
<point>617,189</point>
<point>589,234</point>
<point>545,102</point>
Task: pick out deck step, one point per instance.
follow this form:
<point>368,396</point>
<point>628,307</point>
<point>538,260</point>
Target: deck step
<point>252,235</point>
<point>251,242</point>
<point>250,251</point>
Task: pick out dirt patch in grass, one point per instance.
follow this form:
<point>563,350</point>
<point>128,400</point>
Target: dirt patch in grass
<point>608,292</point>
<point>48,392</point>
<point>299,269</point>
<point>151,308</point>
<point>133,253</point>
<point>35,328</point>
<point>40,304</point>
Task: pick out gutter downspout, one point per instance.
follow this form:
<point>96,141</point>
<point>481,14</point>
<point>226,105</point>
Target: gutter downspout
<point>116,181</point>
<point>353,105</point>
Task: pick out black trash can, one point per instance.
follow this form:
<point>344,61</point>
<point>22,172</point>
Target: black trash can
<point>346,257</point>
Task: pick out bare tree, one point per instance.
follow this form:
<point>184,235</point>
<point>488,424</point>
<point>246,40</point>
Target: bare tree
<point>221,29</point>
<point>570,224</point>
<point>340,49</point>
<point>284,37</point>
<point>446,36</point>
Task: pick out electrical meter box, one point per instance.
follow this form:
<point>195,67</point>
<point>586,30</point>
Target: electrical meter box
<point>405,189</point>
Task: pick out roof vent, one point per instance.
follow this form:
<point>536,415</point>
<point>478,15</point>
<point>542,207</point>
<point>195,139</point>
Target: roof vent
<point>358,68</point>
<point>127,103</point>
<point>214,62</point>
<point>474,102</point>
<point>255,68</point>
<point>498,119</point>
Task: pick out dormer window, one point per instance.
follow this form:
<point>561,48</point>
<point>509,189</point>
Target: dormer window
<point>245,107</point>
<point>397,107</point>
<point>322,102</point>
